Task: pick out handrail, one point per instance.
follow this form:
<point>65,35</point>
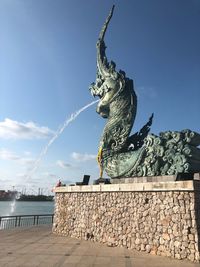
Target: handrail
<point>8,222</point>
<point>28,215</point>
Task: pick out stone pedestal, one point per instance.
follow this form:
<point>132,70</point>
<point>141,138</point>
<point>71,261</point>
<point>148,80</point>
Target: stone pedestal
<point>161,218</point>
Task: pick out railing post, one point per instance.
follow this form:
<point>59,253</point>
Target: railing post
<point>16,221</point>
<point>19,220</point>
<point>37,219</point>
<point>34,220</point>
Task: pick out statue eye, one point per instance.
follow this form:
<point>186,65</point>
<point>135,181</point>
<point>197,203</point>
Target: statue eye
<point>99,84</point>
<point>108,89</point>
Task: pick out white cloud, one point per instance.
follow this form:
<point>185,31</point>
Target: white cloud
<point>5,181</point>
<point>9,155</point>
<point>83,157</point>
<point>63,164</point>
<point>48,174</point>
<point>21,175</point>
<point>27,153</point>
<point>10,129</point>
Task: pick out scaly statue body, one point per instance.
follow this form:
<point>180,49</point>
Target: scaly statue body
<point>121,155</point>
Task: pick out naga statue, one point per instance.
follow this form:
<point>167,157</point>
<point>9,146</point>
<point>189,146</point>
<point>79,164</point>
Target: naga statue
<point>141,154</point>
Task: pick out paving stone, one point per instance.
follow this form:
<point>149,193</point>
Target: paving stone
<point>22,250</point>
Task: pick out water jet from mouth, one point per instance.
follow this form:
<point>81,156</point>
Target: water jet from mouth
<point>59,131</point>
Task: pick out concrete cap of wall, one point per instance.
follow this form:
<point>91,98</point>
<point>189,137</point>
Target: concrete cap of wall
<point>161,186</point>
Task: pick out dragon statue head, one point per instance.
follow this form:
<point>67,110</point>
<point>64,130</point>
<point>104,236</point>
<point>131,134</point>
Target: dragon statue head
<point>108,82</point>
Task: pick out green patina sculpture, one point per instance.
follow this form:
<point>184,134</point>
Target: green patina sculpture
<point>140,154</point>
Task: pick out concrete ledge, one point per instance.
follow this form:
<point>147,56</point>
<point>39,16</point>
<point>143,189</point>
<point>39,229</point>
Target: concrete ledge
<point>144,179</point>
<point>158,179</point>
<point>139,187</point>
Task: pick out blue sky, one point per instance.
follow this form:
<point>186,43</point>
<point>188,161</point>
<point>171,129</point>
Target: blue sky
<point>48,60</point>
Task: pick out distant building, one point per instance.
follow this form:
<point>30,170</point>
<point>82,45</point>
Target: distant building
<point>8,195</point>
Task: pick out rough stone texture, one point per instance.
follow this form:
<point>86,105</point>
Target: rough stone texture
<point>160,223</point>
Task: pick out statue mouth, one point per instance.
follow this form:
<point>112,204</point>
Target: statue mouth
<point>101,96</point>
<point>97,92</point>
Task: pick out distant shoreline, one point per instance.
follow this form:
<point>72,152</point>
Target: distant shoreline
<point>29,198</point>
<point>10,200</point>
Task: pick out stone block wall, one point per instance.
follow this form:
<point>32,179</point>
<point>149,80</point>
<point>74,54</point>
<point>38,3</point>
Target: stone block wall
<point>160,222</point>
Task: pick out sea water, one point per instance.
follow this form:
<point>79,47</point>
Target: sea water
<point>9,208</point>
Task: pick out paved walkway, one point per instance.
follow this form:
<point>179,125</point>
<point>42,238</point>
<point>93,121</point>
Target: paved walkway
<point>37,246</point>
